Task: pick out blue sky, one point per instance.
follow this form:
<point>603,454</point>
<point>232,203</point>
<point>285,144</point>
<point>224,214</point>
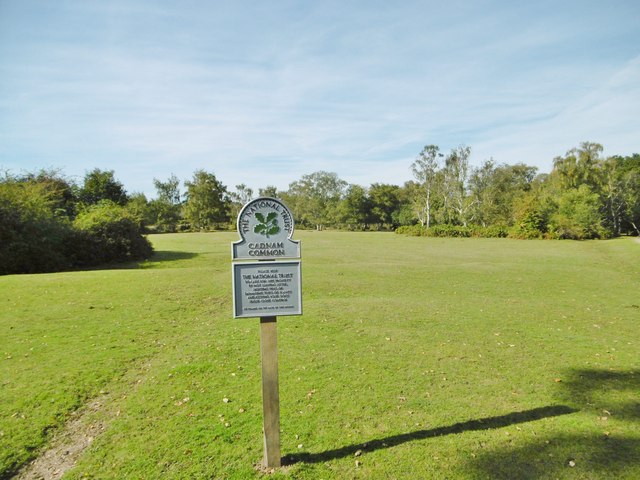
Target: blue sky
<point>263,92</point>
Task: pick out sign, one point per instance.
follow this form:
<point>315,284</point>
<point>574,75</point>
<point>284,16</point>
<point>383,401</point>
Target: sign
<point>265,226</point>
<point>269,284</point>
<point>266,289</point>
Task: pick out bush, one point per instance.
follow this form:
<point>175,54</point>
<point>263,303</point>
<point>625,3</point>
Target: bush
<point>107,233</point>
<point>578,216</point>
<point>32,236</point>
<point>37,235</point>
<point>446,230</point>
<point>524,231</point>
<point>492,231</point>
<point>410,230</point>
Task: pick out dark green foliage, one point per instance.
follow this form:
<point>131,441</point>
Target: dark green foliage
<point>107,233</point>
<point>207,205</point>
<point>354,210</point>
<point>385,202</point>
<point>267,226</point>
<point>31,233</point>
<point>101,185</point>
<point>578,216</point>
<point>460,231</point>
<point>37,234</point>
<point>533,212</point>
<point>314,199</point>
<point>164,211</point>
<point>61,192</point>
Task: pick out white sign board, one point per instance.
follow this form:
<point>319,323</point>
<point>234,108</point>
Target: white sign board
<point>265,289</point>
<point>270,284</point>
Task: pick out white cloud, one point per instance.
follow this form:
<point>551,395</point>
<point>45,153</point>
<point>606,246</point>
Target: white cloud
<point>263,94</point>
<point>607,115</point>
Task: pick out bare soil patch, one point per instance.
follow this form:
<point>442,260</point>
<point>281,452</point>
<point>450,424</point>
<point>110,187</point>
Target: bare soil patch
<point>67,446</point>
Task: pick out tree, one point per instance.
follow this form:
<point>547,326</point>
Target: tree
<point>207,204</point>
<point>403,214</point>
<point>101,185</point>
<point>169,191</point>
<point>621,193</point>
<point>533,211</point>
<point>630,179</point>
<point>32,235</point>
<point>456,177</point>
<point>139,207</point>
<point>612,193</point>
<point>496,189</point>
<point>314,198</point>
<point>37,234</point>
<point>385,204</point>
<point>482,191</point>
<point>355,208</point>
<point>62,192</point>
<point>167,206</point>
<point>579,166</point>
<point>268,191</point>
<point>578,216</point>
<point>424,169</point>
<point>239,198</point>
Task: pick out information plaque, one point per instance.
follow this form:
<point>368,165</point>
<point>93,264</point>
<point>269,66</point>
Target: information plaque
<point>266,262</point>
<point>266,289</point>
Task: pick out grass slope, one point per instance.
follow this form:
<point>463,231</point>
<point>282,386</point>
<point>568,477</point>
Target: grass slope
<point>415,358</point>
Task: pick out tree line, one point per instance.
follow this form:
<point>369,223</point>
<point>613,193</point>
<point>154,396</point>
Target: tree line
<point>48,222</point>
<point>585,196</point>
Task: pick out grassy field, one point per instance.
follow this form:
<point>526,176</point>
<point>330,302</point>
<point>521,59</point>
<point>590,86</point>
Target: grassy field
<point>415,358</point>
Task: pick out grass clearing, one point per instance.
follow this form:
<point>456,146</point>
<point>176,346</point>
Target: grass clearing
<point>415,358</point>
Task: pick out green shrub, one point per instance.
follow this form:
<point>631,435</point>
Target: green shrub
<point>107,232</point>
<point>578,216</point>
<point>32,235</point>
<point>410,230</point>
<point>446,230</point>
<point>492,231</point>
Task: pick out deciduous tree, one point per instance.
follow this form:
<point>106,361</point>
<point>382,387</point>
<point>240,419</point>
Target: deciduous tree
<point>167,206</point>
<point>207,204</point>
<point>314,198</point>
<point>425,169</point>
<point>101,185</point>
<point>456,177</point>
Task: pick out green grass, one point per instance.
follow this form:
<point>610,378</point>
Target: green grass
<point>427,357</point>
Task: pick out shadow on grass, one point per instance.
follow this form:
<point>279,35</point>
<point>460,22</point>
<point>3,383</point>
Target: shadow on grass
<point>171,256</point>
<point>611,451</point>
<point>616,391</point>
<point>594,456</point>
<point>394,440</point>
<point>161,258</point>
<point>157,258</point>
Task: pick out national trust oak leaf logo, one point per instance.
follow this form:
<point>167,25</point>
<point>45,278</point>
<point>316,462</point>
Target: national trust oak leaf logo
<point>267,226</point>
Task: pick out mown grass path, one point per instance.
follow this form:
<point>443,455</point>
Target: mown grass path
<point>415,358</point>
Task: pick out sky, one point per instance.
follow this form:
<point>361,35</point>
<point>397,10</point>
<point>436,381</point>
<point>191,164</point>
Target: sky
<point>261,93</point>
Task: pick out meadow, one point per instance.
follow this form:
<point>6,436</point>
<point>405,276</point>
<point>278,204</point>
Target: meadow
<point>414,358</point>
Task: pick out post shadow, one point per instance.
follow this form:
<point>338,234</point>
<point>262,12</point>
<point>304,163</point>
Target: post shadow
<point>601,455</point>
<point>487,423</point>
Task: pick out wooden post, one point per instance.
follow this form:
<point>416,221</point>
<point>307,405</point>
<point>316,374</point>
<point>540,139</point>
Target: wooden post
<point>270,395</point>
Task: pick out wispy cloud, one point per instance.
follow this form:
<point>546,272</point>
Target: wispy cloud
<point>263,93</point>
